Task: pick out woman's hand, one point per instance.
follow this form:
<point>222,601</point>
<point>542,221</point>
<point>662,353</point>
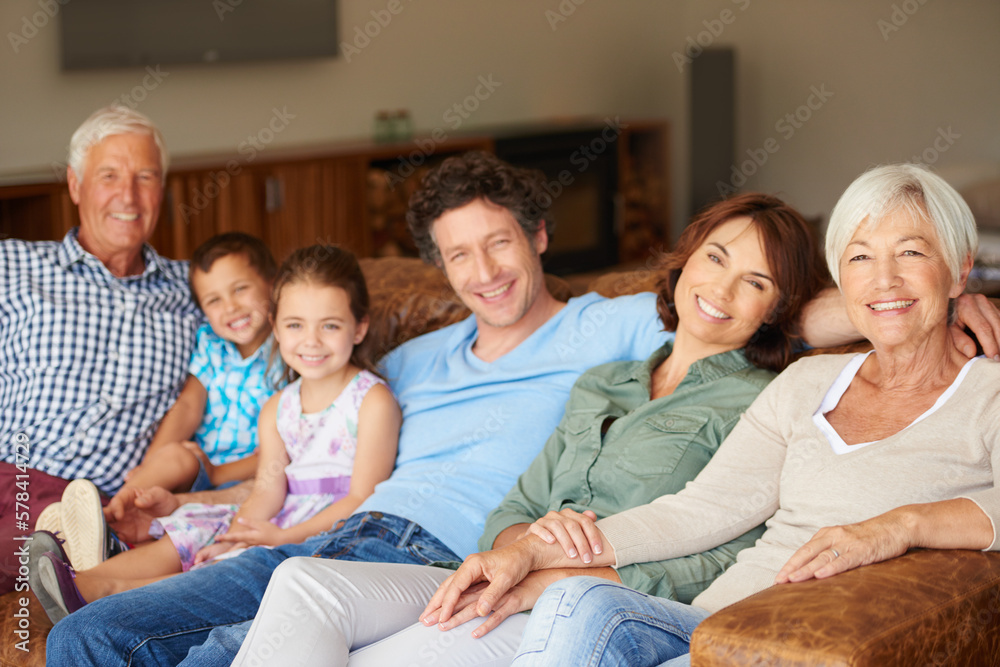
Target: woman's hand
<point>945,524</point>
<point>521,597</point>
<point>575,532</point>
<point>254,532</point>
<point>499,569</point>
<point>837,549</point>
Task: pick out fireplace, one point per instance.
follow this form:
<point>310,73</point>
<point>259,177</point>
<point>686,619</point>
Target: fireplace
<point>607,180</point>
<point>581,177</point>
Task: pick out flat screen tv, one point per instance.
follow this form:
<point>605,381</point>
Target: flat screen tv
<point>128,33</point>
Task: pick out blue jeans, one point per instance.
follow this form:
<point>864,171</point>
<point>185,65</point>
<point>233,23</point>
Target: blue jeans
<point>159,624</point>
<point>589,621</point>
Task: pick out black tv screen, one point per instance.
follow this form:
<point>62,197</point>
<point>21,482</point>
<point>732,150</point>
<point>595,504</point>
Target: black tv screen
<point>127,33</point>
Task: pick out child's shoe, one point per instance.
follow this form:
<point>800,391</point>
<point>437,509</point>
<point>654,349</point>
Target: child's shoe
<point>83,524</point>
<point>42,541</point>
<point>50,519</point>
<point>50,577</point>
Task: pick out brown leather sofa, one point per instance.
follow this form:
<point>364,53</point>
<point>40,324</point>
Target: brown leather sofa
<point>935,608</point>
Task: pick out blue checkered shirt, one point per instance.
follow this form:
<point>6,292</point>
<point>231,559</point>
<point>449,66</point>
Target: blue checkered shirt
<point>89,363</point>
<point>236,389</point>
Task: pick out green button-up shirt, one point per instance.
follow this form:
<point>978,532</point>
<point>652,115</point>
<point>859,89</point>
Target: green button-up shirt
<point>648,449</point>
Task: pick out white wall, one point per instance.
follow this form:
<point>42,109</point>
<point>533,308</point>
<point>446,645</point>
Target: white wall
<point>941,69</point>
<point>600,60</point>
<point>893,90</point>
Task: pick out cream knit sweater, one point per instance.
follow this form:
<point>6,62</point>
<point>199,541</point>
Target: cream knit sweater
<point>777,465</point>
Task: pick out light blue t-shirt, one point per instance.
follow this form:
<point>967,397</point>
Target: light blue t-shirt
<point>237,390</point>
<point>470,428</point>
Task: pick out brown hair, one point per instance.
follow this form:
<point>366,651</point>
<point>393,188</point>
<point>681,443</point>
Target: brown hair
<point>476,175</point>
<point>792,255</point>
<point>328,266</point>
<point>232,243</point>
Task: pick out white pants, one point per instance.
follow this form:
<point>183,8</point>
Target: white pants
<point>318,611</point>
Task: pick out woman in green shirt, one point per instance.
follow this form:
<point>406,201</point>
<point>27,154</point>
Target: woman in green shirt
<point>632,431</point>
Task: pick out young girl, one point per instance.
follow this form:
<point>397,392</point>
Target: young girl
<point>325,441</point>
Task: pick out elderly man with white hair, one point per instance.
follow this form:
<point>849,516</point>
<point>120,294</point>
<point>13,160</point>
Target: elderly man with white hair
<point>97,330</point>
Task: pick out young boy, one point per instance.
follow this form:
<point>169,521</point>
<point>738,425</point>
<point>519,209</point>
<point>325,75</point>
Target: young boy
<point>209,436</point>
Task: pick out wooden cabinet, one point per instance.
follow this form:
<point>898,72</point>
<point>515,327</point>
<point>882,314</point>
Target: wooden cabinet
<point>36,211</point>
<point>290,200</point>
<point>288,204</point>
<point>355,194</point>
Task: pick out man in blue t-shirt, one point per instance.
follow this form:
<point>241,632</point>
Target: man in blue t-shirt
<point>479,399</point>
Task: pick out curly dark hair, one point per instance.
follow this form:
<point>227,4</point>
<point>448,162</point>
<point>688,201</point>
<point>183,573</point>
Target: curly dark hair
<point>477,175</point>
<point>793,255</point>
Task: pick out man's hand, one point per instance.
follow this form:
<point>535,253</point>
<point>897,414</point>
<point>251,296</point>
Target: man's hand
<point>982,318</point>
<point>824,323</point>
<point>521,597</point>
<point>501,568</point>
<point>132,510</point>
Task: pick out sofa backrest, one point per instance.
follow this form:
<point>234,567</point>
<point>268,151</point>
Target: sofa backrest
<point>410,298</point>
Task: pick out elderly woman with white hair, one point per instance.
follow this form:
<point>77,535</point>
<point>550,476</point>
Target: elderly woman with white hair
<point>850,459</point>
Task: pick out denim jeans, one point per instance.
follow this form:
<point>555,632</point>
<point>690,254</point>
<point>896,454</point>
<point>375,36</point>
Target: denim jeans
<point>588,621</point>
<point>158,624</point>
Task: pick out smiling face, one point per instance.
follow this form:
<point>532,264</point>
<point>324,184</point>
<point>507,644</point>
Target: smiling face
<point>316,331</point>
<point>492,266</point>
<point>896,280</point>
<point>118,196</point>
<point>235,299</point>
<point>725,290</point>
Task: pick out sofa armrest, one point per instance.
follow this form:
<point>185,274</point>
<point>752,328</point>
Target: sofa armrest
<point>933,607</point>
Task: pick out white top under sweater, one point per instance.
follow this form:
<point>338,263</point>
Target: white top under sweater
<point>776,463</point>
